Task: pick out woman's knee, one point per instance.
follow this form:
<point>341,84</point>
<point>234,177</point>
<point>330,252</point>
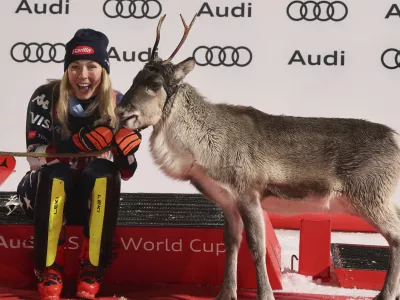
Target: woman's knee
<point>101,167</point>
<point>28,186</point>
<point>26,192</point>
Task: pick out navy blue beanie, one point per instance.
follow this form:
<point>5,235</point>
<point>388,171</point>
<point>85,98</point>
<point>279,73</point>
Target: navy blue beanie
<point>87,44</point>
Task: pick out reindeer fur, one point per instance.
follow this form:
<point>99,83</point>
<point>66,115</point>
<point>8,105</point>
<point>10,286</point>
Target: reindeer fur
<point>246,160</point>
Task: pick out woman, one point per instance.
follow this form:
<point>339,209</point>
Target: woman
<point>76,115</point>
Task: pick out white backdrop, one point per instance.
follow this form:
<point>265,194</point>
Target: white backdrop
<point>358,86</point>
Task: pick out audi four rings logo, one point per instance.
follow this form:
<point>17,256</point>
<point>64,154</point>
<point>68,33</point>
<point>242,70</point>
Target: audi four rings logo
<point>223,56</point>
<point>390,58</point>
<point>35,52</point>
<point>137,9</point>
<point>321,10</point>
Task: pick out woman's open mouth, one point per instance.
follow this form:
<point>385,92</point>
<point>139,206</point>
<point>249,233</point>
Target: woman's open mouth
<point>84,87</point>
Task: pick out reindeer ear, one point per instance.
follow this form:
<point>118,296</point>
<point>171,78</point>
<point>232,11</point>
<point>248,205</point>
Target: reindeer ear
<point>183,68</point>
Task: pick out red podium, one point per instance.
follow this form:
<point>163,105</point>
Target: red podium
<point>146,255</point>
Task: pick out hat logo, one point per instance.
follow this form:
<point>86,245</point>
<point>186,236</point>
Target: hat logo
<point>82,50</point>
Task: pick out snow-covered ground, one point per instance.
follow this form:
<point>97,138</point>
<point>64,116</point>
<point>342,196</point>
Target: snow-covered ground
<point>293,282</point>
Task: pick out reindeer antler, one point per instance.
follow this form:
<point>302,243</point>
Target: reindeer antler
<point>185,34</point>
<point>153,52</point>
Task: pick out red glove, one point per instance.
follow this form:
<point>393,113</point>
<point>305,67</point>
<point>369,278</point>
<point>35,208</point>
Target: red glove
<point>128,141</point>
<point>88,139</point>
<point>98,138</point>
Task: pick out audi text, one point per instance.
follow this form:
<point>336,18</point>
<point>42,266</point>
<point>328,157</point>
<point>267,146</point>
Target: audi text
<point>334,59</point>
<point>26,243</point>
<point>393,11</point>
<point>142,56</point>
<point>57,8</point>
<point>240,11</point>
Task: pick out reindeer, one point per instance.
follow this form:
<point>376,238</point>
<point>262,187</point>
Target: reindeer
<point>247,161</point>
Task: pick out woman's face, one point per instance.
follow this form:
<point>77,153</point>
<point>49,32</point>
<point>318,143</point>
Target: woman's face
<point>84,77</point>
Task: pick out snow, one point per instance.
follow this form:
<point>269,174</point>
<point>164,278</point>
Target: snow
<point>294,282</point>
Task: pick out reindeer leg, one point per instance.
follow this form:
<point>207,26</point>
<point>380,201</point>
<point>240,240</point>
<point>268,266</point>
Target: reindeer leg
<point>385,220</point>
<point>253,219</point>
<point>233,228</point>
<point>372,202</point>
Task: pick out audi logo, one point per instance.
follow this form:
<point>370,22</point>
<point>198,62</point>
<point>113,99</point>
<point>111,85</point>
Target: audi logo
<point>321,10</point>
<point>223,56</point>
<point>390,58</point>
<point>137,9</point>
<point>35,52</point>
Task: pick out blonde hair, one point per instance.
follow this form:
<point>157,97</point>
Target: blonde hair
<point>104,102</point>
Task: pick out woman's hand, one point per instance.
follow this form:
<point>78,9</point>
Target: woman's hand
<point>90,139</point>
<point>128,141</point>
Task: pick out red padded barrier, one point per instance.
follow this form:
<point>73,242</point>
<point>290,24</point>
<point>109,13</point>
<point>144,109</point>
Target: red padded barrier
<point>168,292</point>
<point>314,249</point>
<point>360,279</point>
<point>339,222</point>
<point>147,255</point>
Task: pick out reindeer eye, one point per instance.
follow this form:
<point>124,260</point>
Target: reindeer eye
<point>154,86</point>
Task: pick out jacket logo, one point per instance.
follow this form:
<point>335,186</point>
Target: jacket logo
<point>40,101</point>
<point>31,134</point>
<point>40,121</point>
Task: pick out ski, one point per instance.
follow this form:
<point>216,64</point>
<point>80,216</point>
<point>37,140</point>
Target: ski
<point>7,166</point>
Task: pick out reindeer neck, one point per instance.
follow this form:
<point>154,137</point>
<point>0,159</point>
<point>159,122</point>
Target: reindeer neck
<point>183,97</point>
<point>169,102</point>
<point>187,109</point>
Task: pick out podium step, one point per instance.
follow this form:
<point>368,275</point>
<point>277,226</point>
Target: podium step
<point>174,240</point>
<point>143,209</point>
<point>360,266</point>
<point>168,292</point>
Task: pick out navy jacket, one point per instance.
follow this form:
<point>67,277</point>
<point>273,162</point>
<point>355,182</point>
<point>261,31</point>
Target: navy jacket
<point>43,130</point>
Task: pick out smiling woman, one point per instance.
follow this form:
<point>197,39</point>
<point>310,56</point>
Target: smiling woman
<point>84,77</point>
<point>69,116</point>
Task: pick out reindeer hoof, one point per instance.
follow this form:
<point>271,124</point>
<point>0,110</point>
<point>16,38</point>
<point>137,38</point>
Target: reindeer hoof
<point>266,297</point>
<point>226,295</point>
<point>382,296</point>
